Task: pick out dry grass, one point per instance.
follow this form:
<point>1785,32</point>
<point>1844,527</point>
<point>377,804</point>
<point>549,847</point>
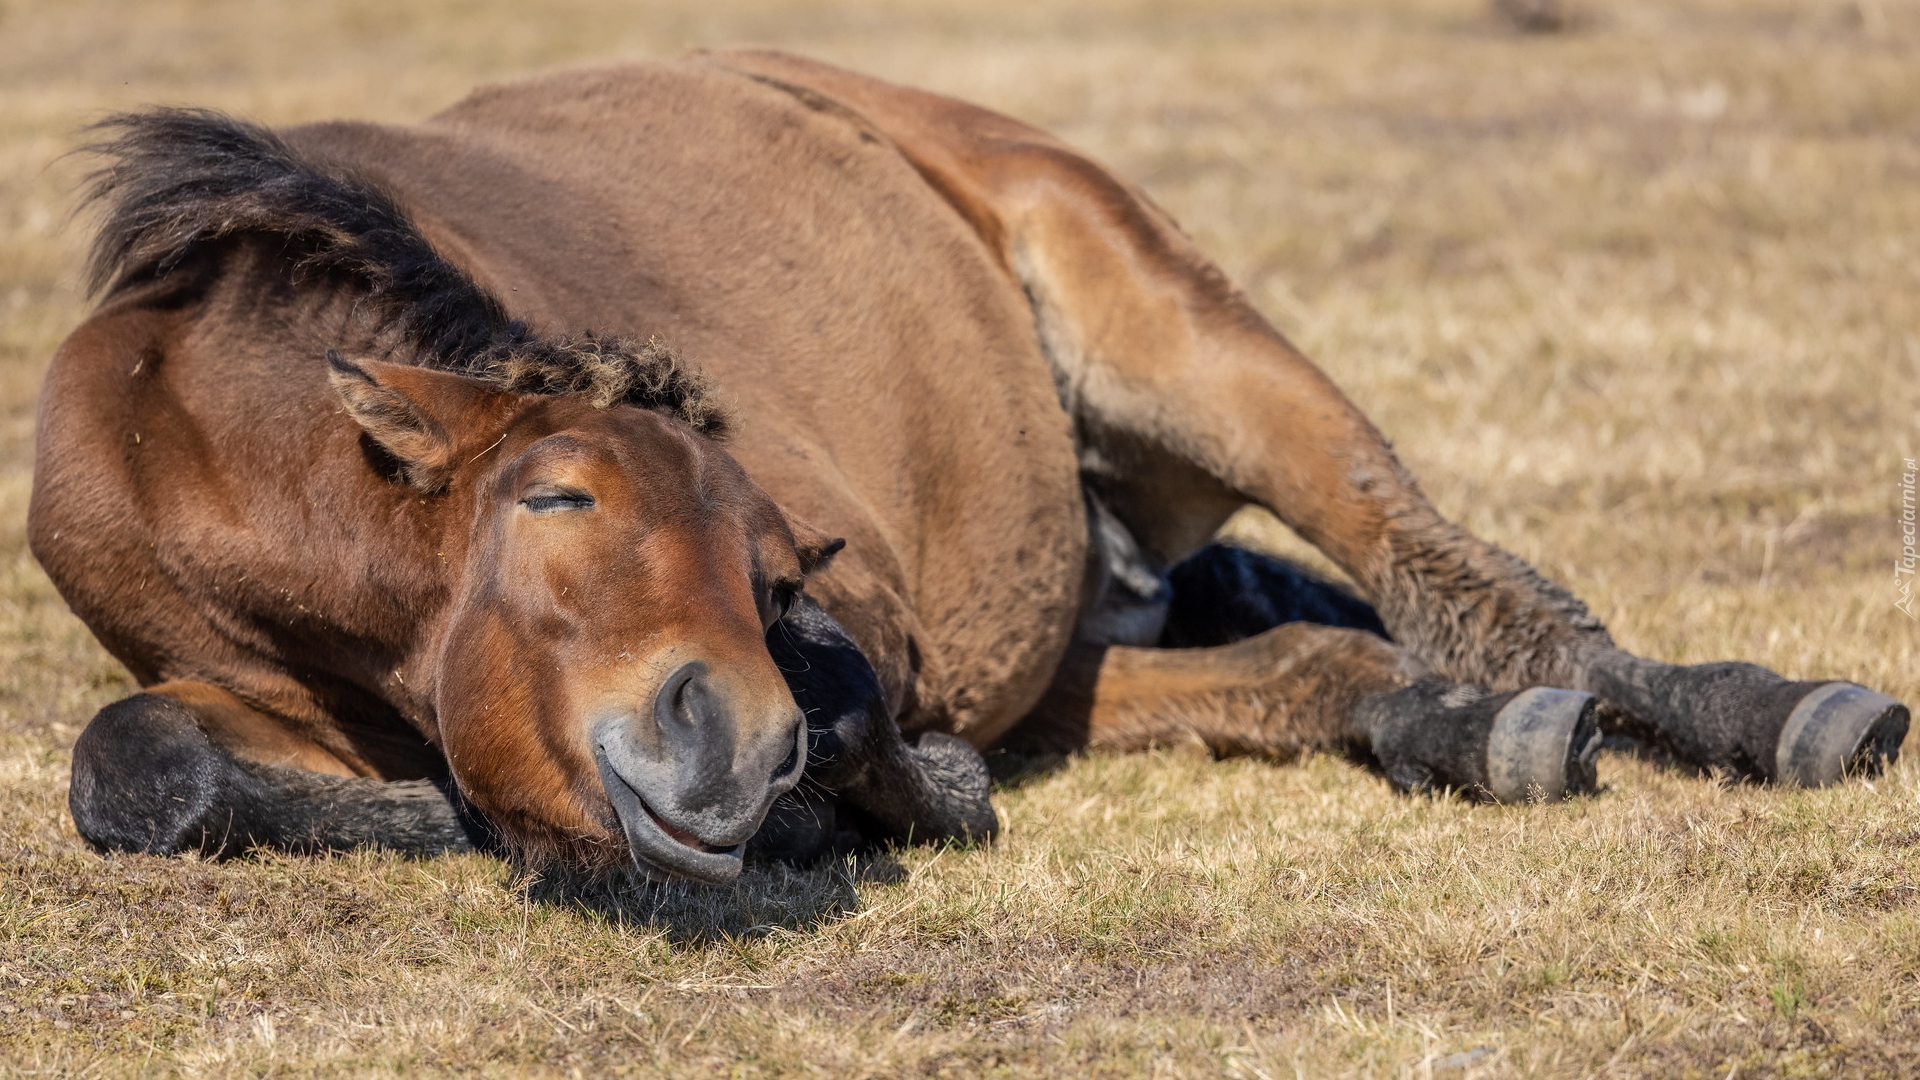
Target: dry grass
<point>1638,301</point>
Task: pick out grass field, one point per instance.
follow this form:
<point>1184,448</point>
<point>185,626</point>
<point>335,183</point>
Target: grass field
<point>1640,301</point>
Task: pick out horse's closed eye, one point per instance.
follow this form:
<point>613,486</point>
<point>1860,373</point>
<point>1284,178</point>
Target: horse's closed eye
<point>551,502</point>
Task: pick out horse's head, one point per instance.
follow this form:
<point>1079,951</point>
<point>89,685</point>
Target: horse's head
<point>600,669</point>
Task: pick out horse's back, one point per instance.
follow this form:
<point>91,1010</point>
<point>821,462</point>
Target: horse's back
<point>890,385</point>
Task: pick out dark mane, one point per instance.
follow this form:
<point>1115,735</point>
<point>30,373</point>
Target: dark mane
<point>176,179</point>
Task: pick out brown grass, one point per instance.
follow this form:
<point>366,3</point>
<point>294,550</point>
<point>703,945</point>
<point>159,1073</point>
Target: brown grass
<point>1638,301</point>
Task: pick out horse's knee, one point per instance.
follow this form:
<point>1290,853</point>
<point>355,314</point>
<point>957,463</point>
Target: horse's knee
<point>145,777</point>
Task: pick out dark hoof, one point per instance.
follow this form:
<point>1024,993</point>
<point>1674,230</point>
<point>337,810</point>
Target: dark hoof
<point>1527,745</point>
<point>1839,730</point>
<point>958,804</point>
<point>145,779</point>
<point>1542,746</point>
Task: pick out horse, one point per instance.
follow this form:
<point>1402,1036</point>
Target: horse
<point>648,466</point>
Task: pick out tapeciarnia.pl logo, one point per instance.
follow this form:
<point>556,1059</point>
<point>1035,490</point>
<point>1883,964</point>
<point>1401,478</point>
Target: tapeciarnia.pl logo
<point>1904,566</point>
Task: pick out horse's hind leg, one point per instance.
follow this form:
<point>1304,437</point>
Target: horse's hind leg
<point>1188,404</point>
<point>1300,687</point>
<point>148,778</point>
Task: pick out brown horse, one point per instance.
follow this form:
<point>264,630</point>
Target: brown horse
<point>374,470</point>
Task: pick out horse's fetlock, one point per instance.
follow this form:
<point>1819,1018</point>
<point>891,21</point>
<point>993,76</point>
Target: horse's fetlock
<point>1428,735</point>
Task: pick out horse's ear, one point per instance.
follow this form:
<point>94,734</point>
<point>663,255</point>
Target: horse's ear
<point>814,547</point>
<point>417,415</point>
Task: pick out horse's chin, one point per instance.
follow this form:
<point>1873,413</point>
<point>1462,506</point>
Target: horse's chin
<point>657,852</point>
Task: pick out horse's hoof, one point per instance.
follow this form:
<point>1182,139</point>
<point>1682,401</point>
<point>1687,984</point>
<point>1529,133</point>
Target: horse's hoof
<point>958,787</point>
<point>1542,746</point>
<point>1839,730</point>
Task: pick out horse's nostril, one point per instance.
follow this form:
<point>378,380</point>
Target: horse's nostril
<point>683,701</point>
<point>796,756</point>
<point>787,766</point>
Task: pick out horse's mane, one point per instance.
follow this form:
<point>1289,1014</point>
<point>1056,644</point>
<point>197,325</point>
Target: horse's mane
<point>177,179</point>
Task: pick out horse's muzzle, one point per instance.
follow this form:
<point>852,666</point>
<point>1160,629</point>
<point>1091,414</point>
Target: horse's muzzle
<point>692,787</point>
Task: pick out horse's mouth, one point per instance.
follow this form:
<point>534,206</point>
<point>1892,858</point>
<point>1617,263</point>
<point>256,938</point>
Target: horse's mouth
<point>660,849</point>
<point>682,835</point>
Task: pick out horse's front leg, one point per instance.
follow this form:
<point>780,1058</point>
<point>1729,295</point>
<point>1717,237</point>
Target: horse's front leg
<point>864,782</point>
<point>187,766</point>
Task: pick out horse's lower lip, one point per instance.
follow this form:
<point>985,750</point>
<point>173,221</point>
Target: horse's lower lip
<point>653,847</point>
<point>682,836</point>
